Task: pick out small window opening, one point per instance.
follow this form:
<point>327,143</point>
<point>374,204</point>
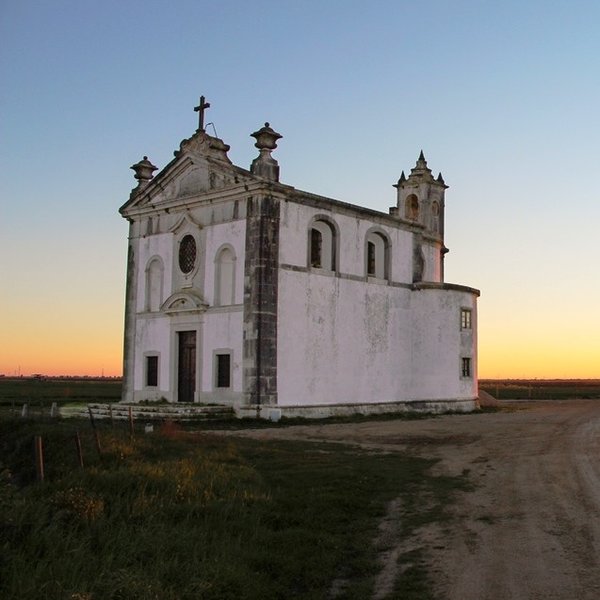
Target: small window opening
<point>465,318</point>
<point>223,370</point>
<point>316,248</point>
<point>151,371</point>
<point>466,367</point>
<point>371,270</point>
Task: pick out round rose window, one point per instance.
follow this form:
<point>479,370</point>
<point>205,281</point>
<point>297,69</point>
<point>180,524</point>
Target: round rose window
<point>187,253</point>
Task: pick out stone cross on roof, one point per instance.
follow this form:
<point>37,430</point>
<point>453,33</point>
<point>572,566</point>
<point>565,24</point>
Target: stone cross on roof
<point>200,109</point>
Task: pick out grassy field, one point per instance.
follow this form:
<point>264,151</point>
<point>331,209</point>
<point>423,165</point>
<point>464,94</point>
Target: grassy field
<point>15,391</point>
<point>175,515</point>
<point>541,389</point>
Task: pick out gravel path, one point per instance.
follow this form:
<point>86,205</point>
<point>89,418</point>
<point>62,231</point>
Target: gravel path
<point>531,526</point>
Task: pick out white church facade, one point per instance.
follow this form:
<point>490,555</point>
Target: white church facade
<point>244,291</point>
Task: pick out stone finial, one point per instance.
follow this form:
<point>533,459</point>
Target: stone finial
<point>143,171</point>
<point>420,172</point>
<point>400,181</point>
<point>266,138</point>
<point>440,179</point>
<point>265,165</point>
<point>421,162</point>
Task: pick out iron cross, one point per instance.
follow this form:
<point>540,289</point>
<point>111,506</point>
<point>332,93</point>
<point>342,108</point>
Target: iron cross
<point>200,109</point>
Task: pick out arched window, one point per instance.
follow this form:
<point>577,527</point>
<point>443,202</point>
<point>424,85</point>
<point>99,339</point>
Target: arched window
<point>412,207</point>
<point>225,277</point>
<point>377,255</point>
<point>154,284</point>
<point>322,241</point>
<point>418,264</point>
<point>435,216</point>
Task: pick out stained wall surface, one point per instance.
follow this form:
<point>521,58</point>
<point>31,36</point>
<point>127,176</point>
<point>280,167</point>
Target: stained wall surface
<point>348,338</point>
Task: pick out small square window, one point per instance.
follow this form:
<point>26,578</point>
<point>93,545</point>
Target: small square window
<point>151,371</point>
<point>465,318</point>
<point>466,368</point>
<point>223,370</point>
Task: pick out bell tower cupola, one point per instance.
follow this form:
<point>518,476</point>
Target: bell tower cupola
<point>421,198</point>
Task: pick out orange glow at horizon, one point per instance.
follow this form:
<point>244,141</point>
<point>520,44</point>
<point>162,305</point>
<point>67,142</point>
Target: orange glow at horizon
<point>82,347</point>
<point>72,353</point>
<point>537,354</point>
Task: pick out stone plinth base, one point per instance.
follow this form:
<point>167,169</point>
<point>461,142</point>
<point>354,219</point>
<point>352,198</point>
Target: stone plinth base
<point>321,411</point>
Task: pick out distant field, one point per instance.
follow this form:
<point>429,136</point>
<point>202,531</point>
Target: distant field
<point>46,391</point>
<point>541,389</point>
<point>14,391</point>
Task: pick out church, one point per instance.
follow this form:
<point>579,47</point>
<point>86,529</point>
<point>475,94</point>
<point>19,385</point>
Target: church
<point>247,292</point>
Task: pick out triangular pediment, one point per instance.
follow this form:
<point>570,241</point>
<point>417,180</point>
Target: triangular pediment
<point>201,166</point>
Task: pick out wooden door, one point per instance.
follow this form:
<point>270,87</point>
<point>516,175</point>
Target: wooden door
<point>186,377</point>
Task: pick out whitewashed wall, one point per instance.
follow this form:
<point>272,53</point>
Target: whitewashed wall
<point>343,340</point>
<point>293,249</point>
<point>218,328</point>
<point>222,331</point>
<point>160,245</point>
<point>233,234</point>
<point>152,335</point>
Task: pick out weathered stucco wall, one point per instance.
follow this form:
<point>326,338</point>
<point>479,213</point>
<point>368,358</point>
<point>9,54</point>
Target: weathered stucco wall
<point>343,341</point>
<point>346,338</point>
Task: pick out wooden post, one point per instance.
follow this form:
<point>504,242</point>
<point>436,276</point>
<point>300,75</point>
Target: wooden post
<point>130,423</point>
<point>25,410</point>
<point>96,436</point>
<point>79,452</point>
<point>110,414</point>
<point>39,457</point>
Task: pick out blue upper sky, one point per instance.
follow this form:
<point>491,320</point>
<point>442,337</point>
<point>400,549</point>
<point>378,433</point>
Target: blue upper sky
<point>501,96</point>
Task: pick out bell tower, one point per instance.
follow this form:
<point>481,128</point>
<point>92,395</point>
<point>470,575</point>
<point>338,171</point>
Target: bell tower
<point>420,200</point>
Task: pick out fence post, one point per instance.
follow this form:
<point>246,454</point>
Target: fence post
<point>130,423</point>
<point>79,452</point>
<point>96,436</point>
<point>39,457</point>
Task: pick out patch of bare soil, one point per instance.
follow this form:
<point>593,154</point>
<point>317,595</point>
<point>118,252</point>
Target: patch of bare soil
<point>529,528</point>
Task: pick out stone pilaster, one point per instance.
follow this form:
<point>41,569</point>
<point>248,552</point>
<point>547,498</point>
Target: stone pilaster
<point>260,300</point>
<point>129,328</point>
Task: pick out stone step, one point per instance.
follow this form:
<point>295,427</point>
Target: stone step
<point>143,412</point>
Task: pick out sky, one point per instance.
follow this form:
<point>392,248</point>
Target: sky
<point>502,97</point>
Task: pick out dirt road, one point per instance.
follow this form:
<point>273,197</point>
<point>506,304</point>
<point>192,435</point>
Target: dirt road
<point>530,529</point>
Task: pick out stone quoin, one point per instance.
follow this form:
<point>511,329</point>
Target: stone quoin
<point>248,292</point>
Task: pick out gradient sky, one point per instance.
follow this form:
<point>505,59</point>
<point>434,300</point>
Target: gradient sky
<point>503,98</point>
